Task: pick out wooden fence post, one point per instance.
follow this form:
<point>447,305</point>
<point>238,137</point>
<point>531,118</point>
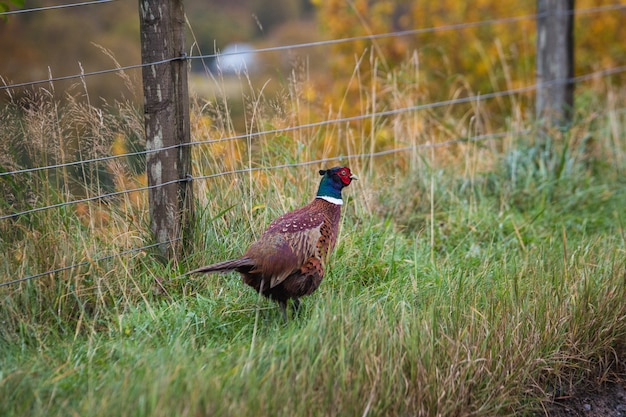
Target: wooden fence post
<point>166,113</point>
<point>555,62</point>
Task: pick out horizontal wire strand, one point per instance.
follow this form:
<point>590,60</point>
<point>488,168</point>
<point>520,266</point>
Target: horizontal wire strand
<point>57,7</point>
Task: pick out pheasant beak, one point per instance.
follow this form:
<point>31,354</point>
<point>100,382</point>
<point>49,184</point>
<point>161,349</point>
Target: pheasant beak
<point>354,177</point>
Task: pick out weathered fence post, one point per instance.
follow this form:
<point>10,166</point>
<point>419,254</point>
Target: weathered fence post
<point>555,62</point>
<point>166,112</point>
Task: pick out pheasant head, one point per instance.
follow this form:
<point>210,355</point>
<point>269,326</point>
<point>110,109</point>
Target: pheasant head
<point>333,181</point>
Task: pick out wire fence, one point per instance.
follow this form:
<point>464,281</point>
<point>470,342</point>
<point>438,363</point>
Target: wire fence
<point>469,99</point>
<point>326,43</point>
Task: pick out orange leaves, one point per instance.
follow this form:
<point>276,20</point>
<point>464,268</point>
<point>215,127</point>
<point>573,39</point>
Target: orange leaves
<point>471,51</point>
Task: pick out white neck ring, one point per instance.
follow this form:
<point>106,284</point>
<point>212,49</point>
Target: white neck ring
<point>332,200</point>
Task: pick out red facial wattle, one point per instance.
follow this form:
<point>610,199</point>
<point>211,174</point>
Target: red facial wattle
<point>345,175</point>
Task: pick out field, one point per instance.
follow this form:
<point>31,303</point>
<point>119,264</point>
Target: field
<point>480,268</point>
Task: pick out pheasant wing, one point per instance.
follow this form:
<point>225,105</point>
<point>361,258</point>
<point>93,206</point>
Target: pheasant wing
<point>274,258</point>
<point>287,244</point>
<point>304,245</point>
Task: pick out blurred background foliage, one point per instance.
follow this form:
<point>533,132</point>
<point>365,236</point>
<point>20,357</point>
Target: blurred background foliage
<point>485,58</point>
<point>477,53</point>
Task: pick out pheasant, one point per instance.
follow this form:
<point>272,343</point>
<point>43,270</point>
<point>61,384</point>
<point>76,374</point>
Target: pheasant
<point>287,262</point>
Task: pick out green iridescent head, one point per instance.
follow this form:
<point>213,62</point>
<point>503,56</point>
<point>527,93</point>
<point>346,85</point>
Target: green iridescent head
<point>333,181</point>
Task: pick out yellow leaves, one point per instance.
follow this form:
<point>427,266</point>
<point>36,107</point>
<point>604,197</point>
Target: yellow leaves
<point>200,124</point>
<point>490,57</point>
<point>92,214</point>
<point>138,198</point>
<point>96,214</point>
<point>258,207</point>
<point>216,150</point>
<point>309,92</point>
<point>118,147</point>
<point>384,136</point>
<point>361,7</point>
<point>261,179</point>
<point>223,155</point>
<point>596,35</point>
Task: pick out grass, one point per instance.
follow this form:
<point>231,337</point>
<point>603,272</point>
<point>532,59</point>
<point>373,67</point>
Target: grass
<point>483,279</point>
<point>389,333</point>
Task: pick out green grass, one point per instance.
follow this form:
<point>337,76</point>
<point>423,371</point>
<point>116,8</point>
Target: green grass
<point>509,306</point>
<point>480,282</point>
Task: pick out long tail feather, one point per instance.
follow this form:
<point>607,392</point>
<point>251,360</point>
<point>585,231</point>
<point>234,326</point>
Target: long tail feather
<point>224,266</point>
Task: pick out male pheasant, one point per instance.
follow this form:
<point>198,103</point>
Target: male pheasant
<point>287,262</point>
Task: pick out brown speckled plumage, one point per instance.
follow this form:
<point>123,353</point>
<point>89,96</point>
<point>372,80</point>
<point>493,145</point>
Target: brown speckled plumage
<point>287,261</point>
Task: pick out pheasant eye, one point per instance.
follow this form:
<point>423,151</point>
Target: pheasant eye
<point>343,172</point>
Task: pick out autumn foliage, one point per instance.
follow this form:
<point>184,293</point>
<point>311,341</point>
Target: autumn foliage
<point>478,47</point>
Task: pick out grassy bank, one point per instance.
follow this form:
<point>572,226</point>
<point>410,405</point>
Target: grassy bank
<point>477,279</point>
